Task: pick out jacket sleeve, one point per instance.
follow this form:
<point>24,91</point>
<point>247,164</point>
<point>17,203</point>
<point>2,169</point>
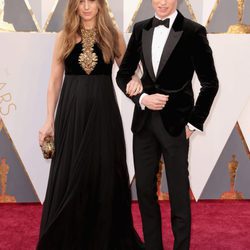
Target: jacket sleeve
<point>203,62</point>
<point>129,63</point>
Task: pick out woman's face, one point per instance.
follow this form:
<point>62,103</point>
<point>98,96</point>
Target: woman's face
<point>88,10</point>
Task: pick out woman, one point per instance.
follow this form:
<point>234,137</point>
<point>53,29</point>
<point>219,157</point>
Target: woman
<point>87,204</point>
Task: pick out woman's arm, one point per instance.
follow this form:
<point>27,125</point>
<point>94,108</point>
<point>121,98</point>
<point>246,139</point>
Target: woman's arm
<point>54,88</point>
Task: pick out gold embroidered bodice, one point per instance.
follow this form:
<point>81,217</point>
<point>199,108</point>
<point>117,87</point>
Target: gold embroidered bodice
<point>88,58</point>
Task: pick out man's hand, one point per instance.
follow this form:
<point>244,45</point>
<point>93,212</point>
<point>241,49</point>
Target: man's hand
<point>134,87</point>
<point>189,132</point>
<point>155,101</point>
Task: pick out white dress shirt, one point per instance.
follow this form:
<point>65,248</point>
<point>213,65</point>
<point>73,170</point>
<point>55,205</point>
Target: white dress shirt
<point>160,37</point>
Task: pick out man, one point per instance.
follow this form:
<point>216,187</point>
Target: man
<point>170,48</point>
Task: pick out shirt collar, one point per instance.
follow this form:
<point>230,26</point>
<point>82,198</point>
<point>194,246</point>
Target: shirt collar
<point>171,18</point>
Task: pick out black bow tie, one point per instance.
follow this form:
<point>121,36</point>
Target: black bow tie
<point>157,22</point>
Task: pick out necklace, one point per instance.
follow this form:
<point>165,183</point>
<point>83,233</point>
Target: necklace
<point>88,58</point>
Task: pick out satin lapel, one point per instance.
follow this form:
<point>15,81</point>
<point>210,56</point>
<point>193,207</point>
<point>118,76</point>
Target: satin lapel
<point>173,38</point>
<point>147,36</point>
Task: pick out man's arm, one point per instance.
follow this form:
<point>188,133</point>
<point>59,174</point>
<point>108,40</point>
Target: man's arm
<point>129,64</point>
<point>204,67</point>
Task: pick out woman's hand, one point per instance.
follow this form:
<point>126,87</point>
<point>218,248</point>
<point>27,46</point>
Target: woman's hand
<point>134,87</point>
<point>46,130</point>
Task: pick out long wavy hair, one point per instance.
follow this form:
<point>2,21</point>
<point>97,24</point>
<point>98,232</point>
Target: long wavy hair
<point>108,38</point>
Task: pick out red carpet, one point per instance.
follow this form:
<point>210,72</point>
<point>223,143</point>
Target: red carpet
<point>216,225</point>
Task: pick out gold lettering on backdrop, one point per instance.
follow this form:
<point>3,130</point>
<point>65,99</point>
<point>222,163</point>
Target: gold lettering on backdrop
<point>2,85</point>
<point>4,26</point>
<point>4,170</point>
<point>232,169</point>
<point>9,108</point>
<point>239,28</point>
<point>6,103</point>
<point>5,98</point>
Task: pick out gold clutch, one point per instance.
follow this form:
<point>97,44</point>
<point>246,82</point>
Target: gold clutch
<point>48,147</point>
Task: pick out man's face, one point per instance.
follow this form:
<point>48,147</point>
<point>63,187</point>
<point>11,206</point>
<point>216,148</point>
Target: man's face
<point>164,8</point>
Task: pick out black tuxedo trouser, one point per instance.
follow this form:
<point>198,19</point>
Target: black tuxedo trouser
<point>148,145</point>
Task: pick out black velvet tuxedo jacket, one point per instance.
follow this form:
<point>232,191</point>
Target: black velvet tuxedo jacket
<point>186,50</point>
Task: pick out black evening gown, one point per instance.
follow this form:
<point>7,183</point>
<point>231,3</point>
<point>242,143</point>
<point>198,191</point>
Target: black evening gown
<point>88,199</point>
